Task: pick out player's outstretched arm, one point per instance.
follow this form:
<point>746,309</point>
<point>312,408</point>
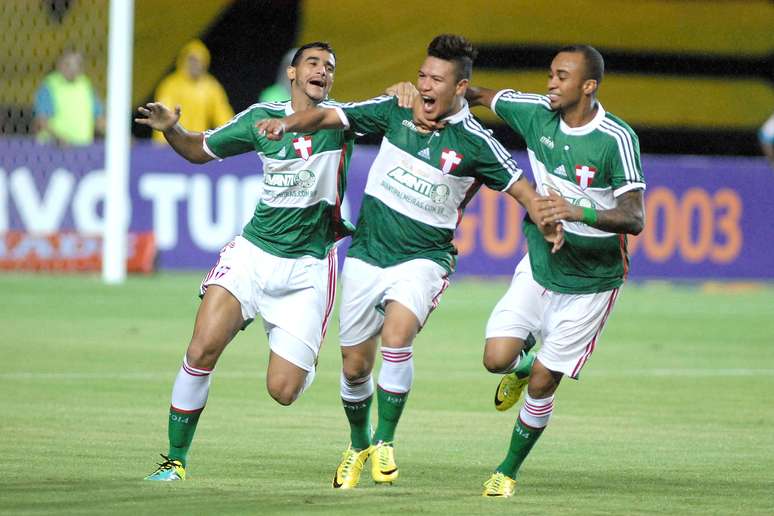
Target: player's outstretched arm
<point>479,96</point>
<point>525,195</point>
<point>627,217</point>
<point>159,117</point>
<point>405,91</point>
<point>308,120</point>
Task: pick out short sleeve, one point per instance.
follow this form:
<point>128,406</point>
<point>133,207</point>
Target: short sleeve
<point>623,156</point>
<point>518,109</point>
<point>370,116</point>
<point>97,106</point>
<point>232,138</point>
<point>44,105</point>
<point>494,165</point>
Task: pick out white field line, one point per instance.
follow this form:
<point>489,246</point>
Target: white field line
<point>166,375</point>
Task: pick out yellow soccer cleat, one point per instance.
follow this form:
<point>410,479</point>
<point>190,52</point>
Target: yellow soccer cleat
<point>509,391</point>
<point>168,471</point>
<point>499,485</point>
<point>383,467</point>
<point>348,473</point>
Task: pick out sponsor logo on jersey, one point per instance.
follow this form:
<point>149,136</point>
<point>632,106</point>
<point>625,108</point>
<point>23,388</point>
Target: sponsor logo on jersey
<point>302,178</point>
<point>560,171</point>
<point>450,160</point>
<point>437,193</point>
<point>548,142</point>
<point>585,175</point>
<point>303,146</point>
<point>583,202</point>
<point>424,153</point>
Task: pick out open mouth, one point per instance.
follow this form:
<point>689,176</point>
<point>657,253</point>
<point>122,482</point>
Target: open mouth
<point>428,103</point>
<point>317,82</point>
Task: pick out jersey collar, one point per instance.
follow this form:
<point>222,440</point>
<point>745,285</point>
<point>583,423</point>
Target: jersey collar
<point>584,129</point>
<point>289,108</point>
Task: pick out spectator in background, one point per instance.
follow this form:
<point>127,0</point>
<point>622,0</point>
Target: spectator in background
<point>280,90</point>
<point>67,109</point>
<point>204,101</point>
<point>766,137</point>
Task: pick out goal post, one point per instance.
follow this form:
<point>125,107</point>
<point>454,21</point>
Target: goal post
<point>117,141</point>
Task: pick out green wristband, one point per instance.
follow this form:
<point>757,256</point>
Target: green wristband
<point>589,216</point>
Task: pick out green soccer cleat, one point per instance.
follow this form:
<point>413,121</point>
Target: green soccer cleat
<point>168,471</point>
<point>499,485</point>
<point>383,467</point>
<point>348,473</point>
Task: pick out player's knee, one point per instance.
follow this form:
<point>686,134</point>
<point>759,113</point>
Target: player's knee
<point>356,363</point>
<point>201,355</point>
<point>495,361</point>
<point>356,368</point>
<point>397,337</point>
<point>282,391</point>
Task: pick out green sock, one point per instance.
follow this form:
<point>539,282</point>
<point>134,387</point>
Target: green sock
<point>525,364</point>
<point>390,409</point>
<point>182,426</point>
<point>522,441</point>
<point>358,414</point>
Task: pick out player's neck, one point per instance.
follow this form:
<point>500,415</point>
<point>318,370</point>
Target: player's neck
<point>456,107</point>
<point>302,103</point>
<point>581,113</point>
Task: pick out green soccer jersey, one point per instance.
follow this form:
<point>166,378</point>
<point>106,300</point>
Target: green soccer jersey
<point>304,177</point>
<point>589,166</point>
<point>419,184</point>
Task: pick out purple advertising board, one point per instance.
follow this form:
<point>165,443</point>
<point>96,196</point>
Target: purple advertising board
<point>707,217</point>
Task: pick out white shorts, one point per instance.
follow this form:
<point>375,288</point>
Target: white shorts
<point>415,284</point>
<point>295,294</point>
<point>568,324</point>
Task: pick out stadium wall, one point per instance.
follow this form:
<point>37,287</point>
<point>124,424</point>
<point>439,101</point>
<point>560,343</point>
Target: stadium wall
<point>707,217</point>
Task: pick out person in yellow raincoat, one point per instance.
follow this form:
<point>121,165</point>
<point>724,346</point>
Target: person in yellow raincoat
<point>203,100</point>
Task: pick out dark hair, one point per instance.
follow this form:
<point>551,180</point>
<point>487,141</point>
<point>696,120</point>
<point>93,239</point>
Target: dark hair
<point>322,45</point>
<point>452,47</point>
<point>595,64</point>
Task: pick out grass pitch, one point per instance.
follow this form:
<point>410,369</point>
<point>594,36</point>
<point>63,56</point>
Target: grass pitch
<point>673,414</point>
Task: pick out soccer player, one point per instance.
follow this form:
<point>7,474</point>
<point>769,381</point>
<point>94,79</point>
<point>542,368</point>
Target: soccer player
<point>283,266</point>
<point>402,253</point>
<point>586,162</point>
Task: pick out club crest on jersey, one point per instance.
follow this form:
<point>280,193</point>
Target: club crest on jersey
<point>303,146</point>
<point>585,175</point>
<point>450,160</point>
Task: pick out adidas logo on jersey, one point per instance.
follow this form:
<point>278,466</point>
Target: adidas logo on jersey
<point>560,171</point>
<point>424,153</point>
<point>281,153</point>
<point>548,142</point>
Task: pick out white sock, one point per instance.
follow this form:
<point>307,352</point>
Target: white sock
<point>192,386</point>
<point>356,390</point>
<point>536,413</point>
<point>397,373</point>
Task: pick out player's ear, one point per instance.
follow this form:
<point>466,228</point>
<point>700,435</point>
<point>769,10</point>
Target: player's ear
<point>462,87</point>
<point>590,86</point>
<point>291,71</point>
